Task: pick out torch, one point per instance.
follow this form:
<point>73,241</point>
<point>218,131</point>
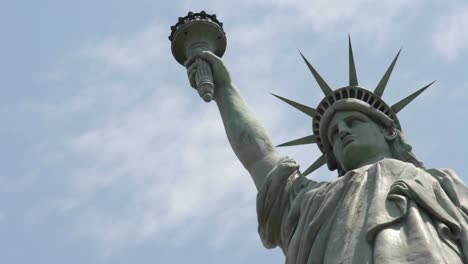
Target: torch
<point>198,32</point>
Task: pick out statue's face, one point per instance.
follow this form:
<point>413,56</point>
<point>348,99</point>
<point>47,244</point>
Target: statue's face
<point>356,139</point>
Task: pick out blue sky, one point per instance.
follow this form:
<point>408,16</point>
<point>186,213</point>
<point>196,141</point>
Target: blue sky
<point>109,156</point>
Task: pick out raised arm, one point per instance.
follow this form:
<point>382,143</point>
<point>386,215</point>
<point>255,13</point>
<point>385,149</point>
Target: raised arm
<point>248,138</point>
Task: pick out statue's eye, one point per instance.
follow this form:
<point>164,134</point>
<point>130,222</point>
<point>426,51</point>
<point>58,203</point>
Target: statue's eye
<point>354,122</point>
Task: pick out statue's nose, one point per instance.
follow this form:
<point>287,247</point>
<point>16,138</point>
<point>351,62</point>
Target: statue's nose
<point>343,130</point>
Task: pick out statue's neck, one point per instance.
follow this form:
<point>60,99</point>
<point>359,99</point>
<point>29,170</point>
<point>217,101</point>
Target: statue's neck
<point>370,161</point>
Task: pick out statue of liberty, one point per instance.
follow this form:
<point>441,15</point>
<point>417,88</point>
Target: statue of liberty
<point>384,207</point>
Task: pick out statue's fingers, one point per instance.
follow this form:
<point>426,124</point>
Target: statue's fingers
<point>192,80</point>
<point>191,72</point>
<point>192,67</point>
<point>190,61</point>
<point>203,67</point>
<point>204,89</point>
<point>210,57</point>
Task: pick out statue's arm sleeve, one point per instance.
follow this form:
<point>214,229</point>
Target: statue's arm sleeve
<point>284,186</point>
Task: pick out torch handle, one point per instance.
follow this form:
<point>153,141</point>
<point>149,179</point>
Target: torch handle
<point>204,80</point>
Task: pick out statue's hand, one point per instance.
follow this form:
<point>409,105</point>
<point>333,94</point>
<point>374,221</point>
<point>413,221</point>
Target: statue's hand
<point>199,65</point>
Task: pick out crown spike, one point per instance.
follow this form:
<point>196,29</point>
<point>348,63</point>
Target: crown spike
<point>353,81</point>
<point>323,85</point>
<point>300,141</point>
<point>303,108</point>
<point>317,164</point>
<point>379,90</point>
<point>403,103</point>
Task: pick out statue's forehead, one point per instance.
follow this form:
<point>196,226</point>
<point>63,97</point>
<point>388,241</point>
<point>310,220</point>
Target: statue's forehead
<point>344,114</point>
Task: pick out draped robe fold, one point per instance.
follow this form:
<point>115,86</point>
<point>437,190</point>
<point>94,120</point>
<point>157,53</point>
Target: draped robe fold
<point>387,212</point>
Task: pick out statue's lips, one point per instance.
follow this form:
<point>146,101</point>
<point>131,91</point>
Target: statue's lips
<point>348,139</point>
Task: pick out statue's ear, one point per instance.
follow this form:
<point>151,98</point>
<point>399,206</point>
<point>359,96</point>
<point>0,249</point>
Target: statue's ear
<point>389,133</point>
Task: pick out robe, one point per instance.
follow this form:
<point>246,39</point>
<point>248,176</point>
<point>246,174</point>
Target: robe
<point>387,212</point>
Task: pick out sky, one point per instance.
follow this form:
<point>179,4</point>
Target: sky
<point>109,156</point>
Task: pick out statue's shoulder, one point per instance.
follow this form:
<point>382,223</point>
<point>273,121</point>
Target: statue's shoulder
<point>442,174</point>
<point>453,186</point>
<point>449,179</point>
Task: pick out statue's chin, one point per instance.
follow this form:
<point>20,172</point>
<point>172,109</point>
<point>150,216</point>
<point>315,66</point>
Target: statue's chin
<point>357,155</point>
<point>353,150</point>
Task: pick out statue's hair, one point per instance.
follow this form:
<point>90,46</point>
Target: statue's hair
<point>402,150</point>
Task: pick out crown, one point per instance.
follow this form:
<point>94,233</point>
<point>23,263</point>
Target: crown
<point>364,99</point>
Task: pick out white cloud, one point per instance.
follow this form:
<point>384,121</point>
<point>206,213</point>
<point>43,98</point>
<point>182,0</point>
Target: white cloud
<point>152,162</point>
<point>163,169</point>
<point>450,37</point>
<point>363,18</point>
<point>130,54</point>
<point>155,164</point>
<point>15,183</point>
